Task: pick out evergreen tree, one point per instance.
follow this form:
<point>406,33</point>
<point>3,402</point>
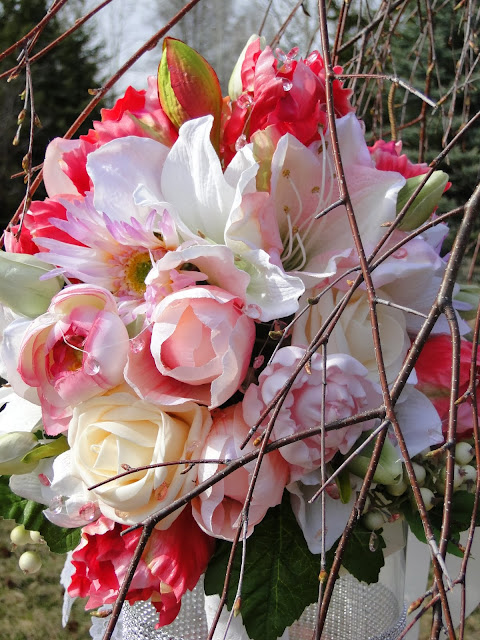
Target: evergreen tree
<point>60,79</point>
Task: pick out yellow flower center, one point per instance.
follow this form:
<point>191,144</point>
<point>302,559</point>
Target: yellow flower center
<point>136,270</point>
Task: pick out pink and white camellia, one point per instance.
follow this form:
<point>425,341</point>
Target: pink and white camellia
<point>200,348</point>
<point>348,392</point>
<point>173,561</point>
<point>76,350</point>
<point>217,510</point>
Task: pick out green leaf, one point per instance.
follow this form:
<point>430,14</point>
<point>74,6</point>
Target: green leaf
<point>29,513</point>
<point>52,448</point>
<point>344,486</point>
<point>281,575</point>
<point>460,512</point>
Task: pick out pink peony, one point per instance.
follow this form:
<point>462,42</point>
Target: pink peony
<point>289,97</point>
<point>434,371</point>
<point>76,350</point>
<point>200,348</point>
<point>137,113</point>
<point>348,392</point>
<point>172,562</point>
<point>217,510</point>
<point>388,156</point>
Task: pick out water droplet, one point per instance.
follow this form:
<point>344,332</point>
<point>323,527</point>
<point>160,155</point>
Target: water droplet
<point>91,366</point>
<point>312,57</point>
<point>400,254</point>
<point>287,84</point>
<point>281,55</point>
<point>42,478</point>
<point>57,505</point>
<point>245,101</point>
<point>373,542</point>
<point>88,511</point>
<point>241,142</point>
<point>137,345</point>
<point>292,54</point>
<point>253,311</point>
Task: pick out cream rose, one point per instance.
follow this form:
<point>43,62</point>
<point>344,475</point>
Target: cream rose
<point>118,429</point>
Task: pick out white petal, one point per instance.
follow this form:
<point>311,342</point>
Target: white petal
<point>419,421</point>
<point>55,180</point>
<point>271,293</point>
<point>118,168</point>
<point>193,181</point>
<point>309,515</point>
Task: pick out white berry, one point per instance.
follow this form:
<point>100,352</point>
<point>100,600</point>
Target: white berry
<point>373,520</point>
<point>29,562</point>
<point>20,536</point>
<point>428,498</point>
<point>464,453</point>
<point>35,537</point>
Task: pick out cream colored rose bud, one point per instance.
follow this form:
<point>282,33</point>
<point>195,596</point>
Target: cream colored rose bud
<point>20,286</point>
<point>13,446</point>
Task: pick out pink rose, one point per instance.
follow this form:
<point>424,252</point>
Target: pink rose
<point>172,562</point>
<point>218,509</point>
<point>200,348</point>
<point>349,392</point>
<point>77,350</point>
<point>434,371</point>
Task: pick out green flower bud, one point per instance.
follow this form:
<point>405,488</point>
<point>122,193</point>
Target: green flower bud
<point>20,286</point>
<point>188,87</point>
<point>425,202</point>
<point>13,446</point>
<point>389,469</point>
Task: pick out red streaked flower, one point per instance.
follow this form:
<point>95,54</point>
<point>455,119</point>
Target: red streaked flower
<point>173,561</point>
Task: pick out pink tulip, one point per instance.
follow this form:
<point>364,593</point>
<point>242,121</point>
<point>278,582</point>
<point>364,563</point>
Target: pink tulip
<point>200,348</point>
<point>77,350</point>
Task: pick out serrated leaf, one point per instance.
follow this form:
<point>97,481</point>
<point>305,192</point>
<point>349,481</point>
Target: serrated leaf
<point>30,514</point>
<point>281,575</point>
<point>460,514</point>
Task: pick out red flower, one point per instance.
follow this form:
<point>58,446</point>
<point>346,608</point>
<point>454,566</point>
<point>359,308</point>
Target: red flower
<point>137,113</point>
<point>172,562</point>
<point>388,156</point>
<point>434,370</point>
<point>37,224</point>
<point>289,97</point>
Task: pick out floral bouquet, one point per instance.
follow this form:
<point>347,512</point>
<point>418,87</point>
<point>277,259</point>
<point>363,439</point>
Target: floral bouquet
<point>211,333</point>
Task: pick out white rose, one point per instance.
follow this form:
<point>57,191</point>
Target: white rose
<point>118,429</point>
<point>353,332</point>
